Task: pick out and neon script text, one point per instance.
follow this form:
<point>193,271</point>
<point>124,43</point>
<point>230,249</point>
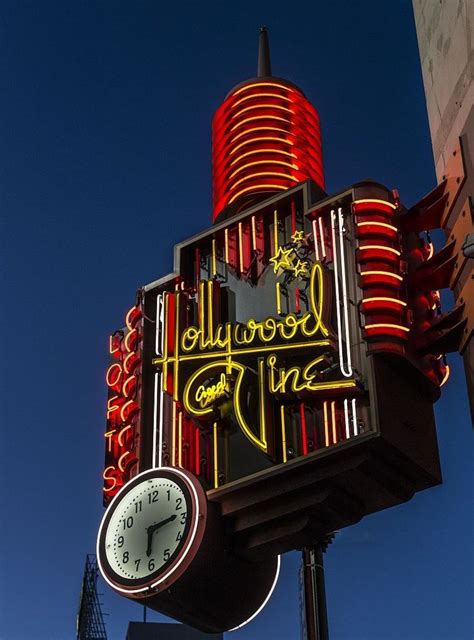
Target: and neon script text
<point>274,356</point>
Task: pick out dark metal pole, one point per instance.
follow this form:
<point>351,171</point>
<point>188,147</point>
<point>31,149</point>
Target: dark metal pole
<point>315,612</point>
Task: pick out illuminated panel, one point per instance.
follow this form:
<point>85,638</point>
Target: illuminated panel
<point>123,379</point>
<point>266,138</point>
<point>267,359</point>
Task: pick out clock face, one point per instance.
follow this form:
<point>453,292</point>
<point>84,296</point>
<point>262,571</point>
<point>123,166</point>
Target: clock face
<point>147,528</point>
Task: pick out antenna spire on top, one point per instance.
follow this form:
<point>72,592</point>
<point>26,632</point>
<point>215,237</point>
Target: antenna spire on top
<point>264,66</point>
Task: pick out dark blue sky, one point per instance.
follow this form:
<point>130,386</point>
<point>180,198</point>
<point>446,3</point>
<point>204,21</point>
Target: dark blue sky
<point>104,166</point>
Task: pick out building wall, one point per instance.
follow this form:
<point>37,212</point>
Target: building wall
<point>445,30</point>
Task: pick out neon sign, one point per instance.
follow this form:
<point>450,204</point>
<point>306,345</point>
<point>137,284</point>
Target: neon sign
<point>248,373</point>
<point>123,405</point>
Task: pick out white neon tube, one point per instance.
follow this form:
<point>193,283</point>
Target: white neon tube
<point>158,422</point>
<point>321,231</point>
<point>159,326</point>
<point>346,417</point>
<point>160,441</point>
<point>272,589</point>
<point>336,288</point>
<point>315,240</point>
<point>345,301</point>
<point>354,417</point>
<point>158,386</point>
<point>155,409</point>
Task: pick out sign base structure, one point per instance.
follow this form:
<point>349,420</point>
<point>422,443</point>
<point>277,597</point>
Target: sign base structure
<point>325,491</point>
<point>313,611</point>
<point>278,385</point>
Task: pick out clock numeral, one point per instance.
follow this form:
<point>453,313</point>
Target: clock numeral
<point>137,563</point>
<point>120,542</point>
<point>183,517</point>
<point>153,497</point>
<point>128,523</point>
<point>179,536</point>
<point>178,503</point>
<point>166,554</point>
<point>151,565</point>
<point>138,506</point>
<point>168,493</point>
<point>125,557</point>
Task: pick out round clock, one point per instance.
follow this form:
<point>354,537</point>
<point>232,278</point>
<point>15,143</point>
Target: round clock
<point>151,530</point>
<point>164,544</point>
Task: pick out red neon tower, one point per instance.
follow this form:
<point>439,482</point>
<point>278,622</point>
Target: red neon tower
<point>265,139</point>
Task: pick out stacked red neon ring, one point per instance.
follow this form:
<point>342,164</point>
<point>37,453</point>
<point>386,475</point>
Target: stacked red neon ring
<point>266,138</point>
<point>381,279</point>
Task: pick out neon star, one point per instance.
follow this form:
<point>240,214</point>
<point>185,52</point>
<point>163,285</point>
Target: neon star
<point>301,269</point>
<point>282,260</point>
<point>298,237</point>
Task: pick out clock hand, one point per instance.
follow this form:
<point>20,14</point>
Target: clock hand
<point>149,541</point>
<point>165,521</point>
<point>154,527</point>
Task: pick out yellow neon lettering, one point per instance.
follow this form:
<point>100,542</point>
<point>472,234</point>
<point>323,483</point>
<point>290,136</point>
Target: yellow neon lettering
<point>205,372</point>
<point>297,379</point>
<point>206,396</point>
<point>220,343</point>
<point>309,324</point>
